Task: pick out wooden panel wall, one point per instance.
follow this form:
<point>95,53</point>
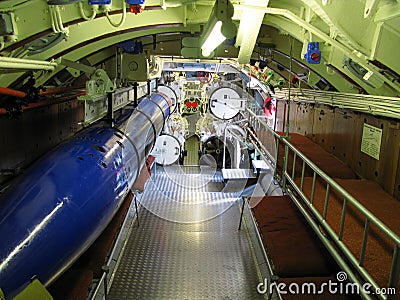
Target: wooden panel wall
<point>344,133</point>
<point>323,127</point>
<point>339,131</point>
<point>304,119</point>
<point>36,131</point>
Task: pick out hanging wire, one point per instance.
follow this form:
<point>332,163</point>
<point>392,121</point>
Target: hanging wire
<point>53,19</point>
<point>60,23</point>
<point>94,11</point>
<point>56,20</point>
<point>290,86</point>
<point>123,16</point>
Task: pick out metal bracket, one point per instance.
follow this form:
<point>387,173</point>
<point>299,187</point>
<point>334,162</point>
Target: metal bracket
<point>8,27</point>
<point>97,108</point>
<point>99,83</point>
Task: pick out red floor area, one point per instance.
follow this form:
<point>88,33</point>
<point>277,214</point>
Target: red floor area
<point>290,241</point>
<point>296,253</point>
<point>294,249</point>
<point>382,205</point>
<point>328,163</point>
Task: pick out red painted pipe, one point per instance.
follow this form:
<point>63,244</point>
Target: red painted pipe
<point>42,103</point>
<point>19,94</point>
<point>59,90</point>
<point>11,92</point>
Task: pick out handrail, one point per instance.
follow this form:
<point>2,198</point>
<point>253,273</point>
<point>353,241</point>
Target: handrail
<point>102,287</point>
<point>314,217</point>
<point>337,239</point>
<point>270,156</point>
<point>274,294</point>
<point>393,236</point>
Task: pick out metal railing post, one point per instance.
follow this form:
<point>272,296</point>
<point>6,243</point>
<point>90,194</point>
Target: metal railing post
<point>285,166</point>
<point>105,269</point>
<point>241,213</point>
<point>395,271</point>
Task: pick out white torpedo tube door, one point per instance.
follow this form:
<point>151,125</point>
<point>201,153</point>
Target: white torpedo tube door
<point>170,93</point>
<point>167,150</point>
<point>225,103</point>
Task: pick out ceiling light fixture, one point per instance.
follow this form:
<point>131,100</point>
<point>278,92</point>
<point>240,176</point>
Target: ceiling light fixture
<point>218,28</point>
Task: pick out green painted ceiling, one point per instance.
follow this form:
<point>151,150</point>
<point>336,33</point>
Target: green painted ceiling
<point>365,33</point>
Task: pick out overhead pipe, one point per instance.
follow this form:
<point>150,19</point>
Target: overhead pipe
<point>176,3</point>
<point>21,63</point>
<point>53,91</point>
<point>42,92</point>
<point>374,105</point>
<point>56,20</point>
<point>27,61</point>
<point>59,20</point>
<point>43,103</point>
<point>11,92</point>
<point>53,21</point>
<point>20,94</point>
<point>23,66</point>
<point>317,32</point>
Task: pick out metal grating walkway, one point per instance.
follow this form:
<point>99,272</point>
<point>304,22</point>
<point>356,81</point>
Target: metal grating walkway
<point>187,245</point>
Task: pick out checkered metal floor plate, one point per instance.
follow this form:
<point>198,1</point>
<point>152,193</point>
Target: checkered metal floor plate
<point>187,245</point>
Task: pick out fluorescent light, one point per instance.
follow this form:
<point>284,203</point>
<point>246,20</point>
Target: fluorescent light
<point>247,34</point>
<point>218,28</point>
<point>214,39</point>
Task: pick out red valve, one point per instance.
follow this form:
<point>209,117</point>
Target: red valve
<point>136,9</point>
<point>193,104</point>
<point>315,56</point>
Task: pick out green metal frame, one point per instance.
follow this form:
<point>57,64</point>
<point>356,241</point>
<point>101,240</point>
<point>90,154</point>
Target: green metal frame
<point>343,28</point>
<point>333,242</point>
<point>304,203</point>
